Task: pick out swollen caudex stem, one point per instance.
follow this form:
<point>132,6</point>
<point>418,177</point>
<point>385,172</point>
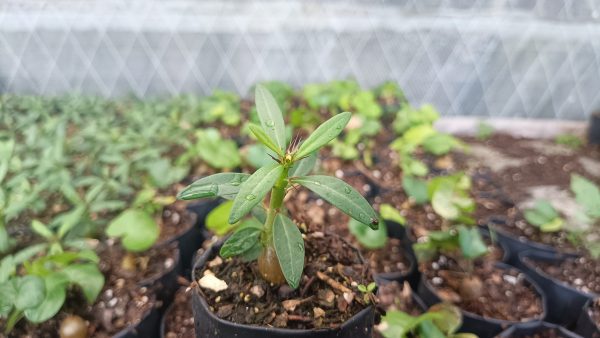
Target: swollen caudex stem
<point>268,263</point>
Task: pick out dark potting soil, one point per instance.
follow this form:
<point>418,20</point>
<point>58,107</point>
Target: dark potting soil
<point>546,333</point>
<point>314,214</point>
<point>327,295</point>
<point>121,303</point>
<point>504,293</point>
<point>139,266</point>
<point>175,220</point>
<point>582,273</point>
<point>179,320</point>
<point>499,191</point>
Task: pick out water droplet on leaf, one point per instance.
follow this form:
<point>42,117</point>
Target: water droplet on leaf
<point>347,190</point>
<point>270,124</point>
<point>250,197</point>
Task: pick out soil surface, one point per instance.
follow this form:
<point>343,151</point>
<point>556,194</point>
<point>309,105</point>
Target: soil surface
<point>528,163</point>
<point>179,318</point>
<point>314,214</point>
<point>175,220</point>
<point>582,273</point>
<point>504,294</point>
<point>545,333</point>
<point>327,295</point>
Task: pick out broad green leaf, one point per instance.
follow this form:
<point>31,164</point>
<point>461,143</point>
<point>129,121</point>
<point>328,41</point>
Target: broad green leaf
<point>304,166</point>
<point>440,144</point>
<point>399,324</point>
<point>56,288</point>
<point>471,243</point>
<point>289,247</point>
<point>163,173</point>
<point>5,242</point>
<point>240,242</point>
<point>543,214</point>
<point>326,132</point>
<point>216,151</point>
<point>30,292</point>
<point>254,190</point>
<point>88,277</point>
<point>415,188</point>
<point>253,253</point>
<point>216,220</point>
<point>270,117</point>
<point>264,138</point>
<point>29,252</point>
<point>8,294</point>
<point>428,329</point>
<point>449,317</point>
<point>41,229</point>
<point>8,267</point>
<point>367,237</point>
<point>587,194</point>
<point>553,226</point>
<point>390,213</point>
<point>341,195</point>
<point>257,156</point>
<point>138,230</point>
<point>225,185</point>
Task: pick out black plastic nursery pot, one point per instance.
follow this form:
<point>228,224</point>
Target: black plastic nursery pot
<point>191,240</point>
<point>585,325</point>
<point>207,324</point>
<point>530,329</point>
<point>514,245</point>
<point>147,328</point>
<point>165,283</point>
<point>594,129</point>
<point>398,231</point>
<point>473,323</point>
<point>565,303</point>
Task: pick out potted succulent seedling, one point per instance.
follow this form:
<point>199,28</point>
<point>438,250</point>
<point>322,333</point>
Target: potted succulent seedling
<point>294,285</point>
<point>456,267</point>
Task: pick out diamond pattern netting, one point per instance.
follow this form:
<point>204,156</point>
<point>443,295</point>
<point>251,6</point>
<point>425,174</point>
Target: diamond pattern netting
<point>501,58</point>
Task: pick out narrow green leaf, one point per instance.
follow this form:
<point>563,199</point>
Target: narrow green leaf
<point>264,138</point>
<point>428,329</point>
<point>326,132</point>
<point>56,289</point>
<point>304,166</point>
<point>138,230</point>
<point>341,195</point>
<point>254,190</point>
<point>289,247</point>
<point>367,237</point>
<point>41,229</point>
<point>240,242</point>
<point>225,185</point>
<point>270,117</point>
<point>30,292</point>
<point>448,319</point>
<point>471,243</point>
<point>6,150</point>
<point>70,220</point>
<point>88,277</point>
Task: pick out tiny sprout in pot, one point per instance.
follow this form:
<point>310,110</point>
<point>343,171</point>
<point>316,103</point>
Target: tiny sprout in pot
<point>272,238</point>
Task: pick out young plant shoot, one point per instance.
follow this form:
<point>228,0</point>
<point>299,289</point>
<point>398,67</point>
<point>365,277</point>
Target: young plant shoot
<point>274,240</point>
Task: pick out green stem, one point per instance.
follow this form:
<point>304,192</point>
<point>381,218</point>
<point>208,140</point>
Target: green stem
<point>13,319</point>
<point>277,195</point>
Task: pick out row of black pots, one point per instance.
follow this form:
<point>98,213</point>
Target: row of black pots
<point>165,284</point>
<point>208,325</point>
<point>567,306</point>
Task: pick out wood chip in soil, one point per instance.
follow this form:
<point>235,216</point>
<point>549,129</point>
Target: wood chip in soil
<point>505,293</point>
<point>250,300</point>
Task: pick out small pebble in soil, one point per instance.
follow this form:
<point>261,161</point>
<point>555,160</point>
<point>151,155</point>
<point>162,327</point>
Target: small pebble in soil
<point>73,327</point>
